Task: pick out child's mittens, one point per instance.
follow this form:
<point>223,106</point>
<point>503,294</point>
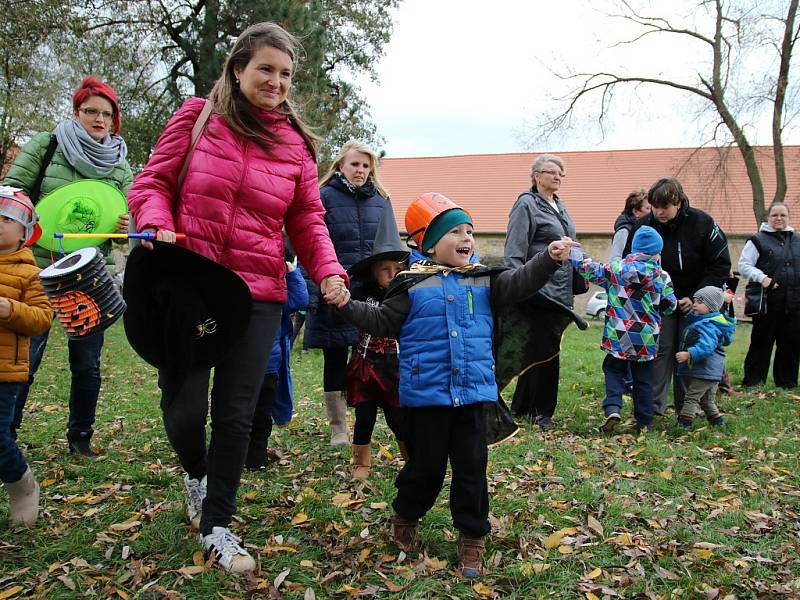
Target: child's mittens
<point>682,356</point>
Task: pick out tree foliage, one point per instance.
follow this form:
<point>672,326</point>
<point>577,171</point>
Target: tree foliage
<point>731,36</point>
<point>31,72</point>
<point>156,53</point>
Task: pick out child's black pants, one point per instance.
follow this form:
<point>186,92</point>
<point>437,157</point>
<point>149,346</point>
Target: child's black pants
<point>434,435</point>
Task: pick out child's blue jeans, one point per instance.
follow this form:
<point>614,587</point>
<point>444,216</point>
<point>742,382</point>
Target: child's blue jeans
<point>616,372</point>
<point>12,463</point>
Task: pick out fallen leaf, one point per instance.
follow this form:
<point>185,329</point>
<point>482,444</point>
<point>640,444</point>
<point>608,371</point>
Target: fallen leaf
<point>279,579</point>
<point>554,539</point>
<point>299,518</point>
<point>12,591</point>
<point>666,475</point>
<point>483,590</point>
<point>126,526</point>
<point>378,505</point>
<point>67,582</point>
<point>594,574</point>
<point>595,525</point>
<point>193,570</point>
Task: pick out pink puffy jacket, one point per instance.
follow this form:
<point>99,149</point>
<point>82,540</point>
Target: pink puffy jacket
<point>236,198</point>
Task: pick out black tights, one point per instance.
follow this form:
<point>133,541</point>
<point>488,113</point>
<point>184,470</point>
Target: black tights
<point>367,414</point>
<point>335,368</point>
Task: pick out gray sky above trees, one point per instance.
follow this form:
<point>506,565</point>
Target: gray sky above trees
<point>467,76</point>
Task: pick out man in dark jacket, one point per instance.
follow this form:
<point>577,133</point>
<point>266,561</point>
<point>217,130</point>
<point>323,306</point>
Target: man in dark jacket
<point>695,255</point>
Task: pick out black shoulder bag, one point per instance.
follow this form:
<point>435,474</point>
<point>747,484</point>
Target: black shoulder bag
<point>36,189</point>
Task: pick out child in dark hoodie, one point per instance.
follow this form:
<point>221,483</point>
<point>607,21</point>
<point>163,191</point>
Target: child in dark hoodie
<point>639,292</point>
<point>701,359</point>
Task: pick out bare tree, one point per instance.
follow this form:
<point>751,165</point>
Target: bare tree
<point>737,30</point>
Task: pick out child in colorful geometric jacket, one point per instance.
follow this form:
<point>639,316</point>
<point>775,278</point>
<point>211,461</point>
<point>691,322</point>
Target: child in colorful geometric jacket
<point>442,312</point>
<point>639,292</point>
<point>701,359</point>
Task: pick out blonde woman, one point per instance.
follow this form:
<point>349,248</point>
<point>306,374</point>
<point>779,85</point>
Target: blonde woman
<point>357,207</point>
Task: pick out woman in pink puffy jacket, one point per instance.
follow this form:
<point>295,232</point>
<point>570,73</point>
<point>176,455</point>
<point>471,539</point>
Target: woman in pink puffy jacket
<point>251,173</point>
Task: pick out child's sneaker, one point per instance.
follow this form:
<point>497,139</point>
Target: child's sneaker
<point>404,532</point>
<point>195,494</point>
<point>227,550</point>
<point>684,423</point>
<point>470,556</point>
<point>717,421</point>
<point>611,421</point>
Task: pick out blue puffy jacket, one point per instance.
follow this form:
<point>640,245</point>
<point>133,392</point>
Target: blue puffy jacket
<point>283,404</point>
<point>704,339</point>
<point>352,216</point>
<point>446,354</point>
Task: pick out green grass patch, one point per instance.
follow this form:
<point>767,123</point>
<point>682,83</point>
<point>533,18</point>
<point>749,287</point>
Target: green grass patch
<point>575,514</point>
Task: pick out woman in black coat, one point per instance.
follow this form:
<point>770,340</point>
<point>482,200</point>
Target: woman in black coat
<point>772,259</point>
<point>356,207</point>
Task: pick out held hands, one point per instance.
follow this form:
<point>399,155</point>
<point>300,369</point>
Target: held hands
<point>162,235</point>
<point>682,357</point>
<point>685,305</point>
<point>5,308</point>
<point>334,291</point>
<point>559,249</point>
<point>728,297</point>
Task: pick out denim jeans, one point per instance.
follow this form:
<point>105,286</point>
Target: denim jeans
<point>616,371</point>
<point>84,364</point>
<point>35,353</point>
<point>12,463</point>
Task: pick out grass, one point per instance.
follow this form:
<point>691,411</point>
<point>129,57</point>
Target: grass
<point>711,514</point>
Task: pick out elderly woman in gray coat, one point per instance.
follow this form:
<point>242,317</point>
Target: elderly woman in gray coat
<point>537,218</point>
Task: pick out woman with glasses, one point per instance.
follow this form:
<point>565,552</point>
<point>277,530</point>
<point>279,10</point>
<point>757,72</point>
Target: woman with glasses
<point>537,218</point>
<point>87,146</point>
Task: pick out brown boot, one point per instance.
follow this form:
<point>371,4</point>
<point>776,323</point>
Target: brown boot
<point>403,450</point>
<point>470,556</point>
<point>404,532</point>
<point>362,459</point>
<point>336,411</point>
<point>23,500</point>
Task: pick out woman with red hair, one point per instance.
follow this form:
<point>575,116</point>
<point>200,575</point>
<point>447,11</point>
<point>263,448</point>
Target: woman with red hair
<point>87,146</point>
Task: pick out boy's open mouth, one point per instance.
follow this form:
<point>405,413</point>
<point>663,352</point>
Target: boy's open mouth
<point>465,250</point>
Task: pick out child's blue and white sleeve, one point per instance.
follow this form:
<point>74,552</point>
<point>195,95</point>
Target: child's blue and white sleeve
<point>586,267</point>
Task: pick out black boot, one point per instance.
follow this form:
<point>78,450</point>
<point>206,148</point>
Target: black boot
<point>80,442</point>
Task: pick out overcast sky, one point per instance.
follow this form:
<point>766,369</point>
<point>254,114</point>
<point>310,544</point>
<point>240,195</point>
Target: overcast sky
<point>466,76</point>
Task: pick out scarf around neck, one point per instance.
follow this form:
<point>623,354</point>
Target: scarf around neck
<point>90,158</point>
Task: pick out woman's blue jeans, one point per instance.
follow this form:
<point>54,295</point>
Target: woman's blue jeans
<point>84,364</point>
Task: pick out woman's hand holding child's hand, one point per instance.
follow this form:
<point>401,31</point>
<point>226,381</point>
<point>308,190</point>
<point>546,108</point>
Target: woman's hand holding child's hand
<point>559,249</point>
<point>685,305</point>
<point>334,291</point>
<point>5,308</point>
<point>682,356</point>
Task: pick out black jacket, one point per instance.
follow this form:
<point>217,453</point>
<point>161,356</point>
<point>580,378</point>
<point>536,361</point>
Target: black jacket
<point>695,250</point>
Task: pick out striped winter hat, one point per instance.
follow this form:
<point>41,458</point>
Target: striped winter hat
<point>17,206</point>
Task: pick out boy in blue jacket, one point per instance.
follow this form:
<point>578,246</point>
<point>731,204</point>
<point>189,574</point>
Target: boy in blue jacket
<point>701,359</point>
<point>442,312</point>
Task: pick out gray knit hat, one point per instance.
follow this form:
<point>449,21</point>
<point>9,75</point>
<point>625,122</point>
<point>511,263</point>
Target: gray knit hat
<point>711,296</point>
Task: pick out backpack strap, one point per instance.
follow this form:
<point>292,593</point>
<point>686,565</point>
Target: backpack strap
<point>197,131</point>
<point>36,189</point>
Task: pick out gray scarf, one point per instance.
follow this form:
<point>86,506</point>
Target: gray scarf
<point>92,159</point>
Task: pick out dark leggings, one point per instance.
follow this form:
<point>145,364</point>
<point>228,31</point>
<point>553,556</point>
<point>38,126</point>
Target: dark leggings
<point>335,368</point>
<point>237,383</point>
<point>367,414</point>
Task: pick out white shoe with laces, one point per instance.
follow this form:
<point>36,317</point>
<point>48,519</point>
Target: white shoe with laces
<point>227,550</point>
<point>195,494</point>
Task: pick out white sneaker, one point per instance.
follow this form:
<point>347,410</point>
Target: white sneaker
<point>195,494</point>
<point>226,549</point>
